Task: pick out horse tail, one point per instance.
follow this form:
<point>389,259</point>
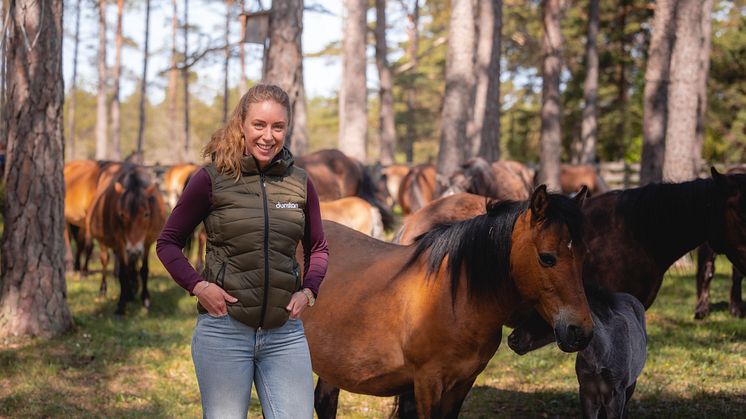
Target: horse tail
<point>367,191</point>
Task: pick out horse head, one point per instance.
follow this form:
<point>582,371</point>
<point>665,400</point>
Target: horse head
<point>546,263</point>
<point>134,206</point>
<point>731,237</point>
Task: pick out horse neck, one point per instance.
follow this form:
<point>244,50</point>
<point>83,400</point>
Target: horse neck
<point>670,219</point>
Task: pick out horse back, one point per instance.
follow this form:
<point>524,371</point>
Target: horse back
<point>449,209</point>
<point>80,189</point>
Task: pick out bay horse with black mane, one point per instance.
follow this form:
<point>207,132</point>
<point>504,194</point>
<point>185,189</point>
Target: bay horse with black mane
<point>126,216</point>
<point>426,319</point>
<point>635,235</point>
<point>335,176</point>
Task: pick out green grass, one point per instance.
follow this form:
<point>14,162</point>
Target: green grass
<point>140,366</point>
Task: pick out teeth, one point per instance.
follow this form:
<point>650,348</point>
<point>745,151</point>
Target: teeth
<point>264,147</point>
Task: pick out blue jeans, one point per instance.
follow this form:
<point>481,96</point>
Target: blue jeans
<point>228,356</point>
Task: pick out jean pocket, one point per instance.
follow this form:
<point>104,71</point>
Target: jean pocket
<point>216,317</point>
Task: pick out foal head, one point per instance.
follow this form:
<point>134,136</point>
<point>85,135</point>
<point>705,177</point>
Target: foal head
<point>546,263</point>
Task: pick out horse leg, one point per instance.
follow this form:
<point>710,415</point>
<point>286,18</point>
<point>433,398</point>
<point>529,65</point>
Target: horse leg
<point>124,285</point>
<point>68,250</point>
<point>325,398</point>
<point>630,391</point>
<point>405,406</point>
<point>145,295</point>
<point>705,272</point>
<point>736,303</point>
<point>104,256</point>
<point>454,399</point>
<point>88,247</point>
<point>428,391</point>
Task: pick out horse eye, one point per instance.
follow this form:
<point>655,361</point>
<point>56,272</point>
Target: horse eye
<point>547,259</point>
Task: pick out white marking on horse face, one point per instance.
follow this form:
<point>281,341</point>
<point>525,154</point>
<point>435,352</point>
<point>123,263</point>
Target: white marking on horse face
<point>135,249</point>
<point>569,245</point>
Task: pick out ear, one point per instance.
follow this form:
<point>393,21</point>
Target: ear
<point>723,183</point>
<point>118,187</point>
<point>539,201</point>
<point>582,195</point>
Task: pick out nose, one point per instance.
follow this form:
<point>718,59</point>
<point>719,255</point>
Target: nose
<point>134,250</point>
<point>571,337</point>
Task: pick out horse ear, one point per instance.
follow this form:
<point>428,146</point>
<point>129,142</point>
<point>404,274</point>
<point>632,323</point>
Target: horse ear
<point>118,187</point>
<point>582,195</point>
<point>722,182</point>
<point>539,201</point>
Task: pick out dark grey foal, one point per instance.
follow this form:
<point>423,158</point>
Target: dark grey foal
<point>608,368</point>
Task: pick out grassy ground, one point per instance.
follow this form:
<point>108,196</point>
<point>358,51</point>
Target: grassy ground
<point>140,366</point>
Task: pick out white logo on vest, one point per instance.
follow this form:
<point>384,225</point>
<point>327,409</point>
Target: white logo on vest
<point>286,205</point>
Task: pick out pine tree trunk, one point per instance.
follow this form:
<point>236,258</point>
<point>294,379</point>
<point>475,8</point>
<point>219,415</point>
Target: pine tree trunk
<point>243,84</point>
<point>683,90</point>
<point>386,129</point>
<point>353,95</point>
<point>487,101</point>
<point>227,55</point>
<point>185,81</point>
<point>551,135</point>
<point>101,114</point>
<point>300,123</point>
<point>144,84</point>
<point>173,75</point>
<point>284,57</point>
<point>459,88</point>
<point>32,290</point>
<point>705,47</point>
<point>116,148</point>
<point>657,75</point>
<point>74,88</point>
<point>413,38</point>
<point>589,126</point>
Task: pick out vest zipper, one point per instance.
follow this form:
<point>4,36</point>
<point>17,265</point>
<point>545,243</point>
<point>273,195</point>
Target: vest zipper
<point>266,250</point>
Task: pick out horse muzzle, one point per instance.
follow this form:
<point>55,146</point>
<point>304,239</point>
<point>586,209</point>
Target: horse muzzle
<point>571,337</point>
<point>134,251</point>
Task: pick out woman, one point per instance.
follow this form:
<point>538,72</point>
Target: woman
<point>256,207</point>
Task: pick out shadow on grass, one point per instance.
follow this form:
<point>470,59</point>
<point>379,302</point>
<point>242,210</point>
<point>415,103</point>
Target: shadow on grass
<point>488,402</point>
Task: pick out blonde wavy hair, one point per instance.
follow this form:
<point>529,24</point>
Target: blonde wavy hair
<point>226,146</point>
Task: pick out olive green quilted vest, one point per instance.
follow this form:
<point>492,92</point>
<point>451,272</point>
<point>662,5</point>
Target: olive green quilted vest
<point>253,230</point>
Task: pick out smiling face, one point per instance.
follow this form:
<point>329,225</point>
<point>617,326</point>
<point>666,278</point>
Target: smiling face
<point>264,131</point>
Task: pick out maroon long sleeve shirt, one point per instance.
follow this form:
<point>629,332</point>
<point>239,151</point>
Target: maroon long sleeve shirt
<point>194,206</point>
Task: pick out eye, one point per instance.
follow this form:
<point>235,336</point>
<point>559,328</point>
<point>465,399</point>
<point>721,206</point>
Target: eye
<point>258,126</point>
<point>547,259</point>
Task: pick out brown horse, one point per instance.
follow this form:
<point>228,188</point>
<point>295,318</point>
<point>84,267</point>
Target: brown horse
<point>355,213</point>
<point>502,180</point>
<point>81,177</point>
<point>126,216</point>
<point>572,177</point>
<point>174,181</point>
<point>418,188</point>
<point>635,235</point>
<point>426,319</point>
<point>445,210</point>
<point>393,176</point>
<point>706,271</point>
<point>336,175</point>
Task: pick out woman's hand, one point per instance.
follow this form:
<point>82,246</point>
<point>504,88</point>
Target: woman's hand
<point>298,303</point>
<point>213,299</point>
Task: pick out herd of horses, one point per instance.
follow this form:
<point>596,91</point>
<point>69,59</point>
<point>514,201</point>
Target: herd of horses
<point>420,318</point>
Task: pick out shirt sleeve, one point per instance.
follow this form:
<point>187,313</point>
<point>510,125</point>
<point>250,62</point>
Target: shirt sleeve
<point>192,208</point>
<point>315,249</point>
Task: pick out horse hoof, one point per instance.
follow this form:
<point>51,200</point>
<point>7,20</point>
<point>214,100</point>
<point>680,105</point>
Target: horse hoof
<point>119,314</point>
<point>738,311</point>
<point>146,303</point>
<point>700,314</point>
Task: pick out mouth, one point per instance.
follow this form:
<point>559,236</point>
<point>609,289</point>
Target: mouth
<point>265,147</point>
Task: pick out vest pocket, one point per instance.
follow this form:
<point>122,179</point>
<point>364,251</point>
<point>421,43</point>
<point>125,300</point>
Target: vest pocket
<point>220,279</point>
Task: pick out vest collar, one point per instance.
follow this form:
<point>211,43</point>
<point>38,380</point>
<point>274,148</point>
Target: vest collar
<point>277,167</point>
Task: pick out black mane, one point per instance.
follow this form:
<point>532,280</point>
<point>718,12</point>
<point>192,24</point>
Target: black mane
<point>482,244</point>
<point>135,182</point>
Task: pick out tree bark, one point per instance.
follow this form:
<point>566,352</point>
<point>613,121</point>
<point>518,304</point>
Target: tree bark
<point>657,75</point>
<point>386,128</point>
<point>227,55</point>
<point>144,84</point>
<point>704,58</point>
<point>116,148</point>
<point>173,75</point>
<point>284,57</point>
<point>101,114</point>
<point>74,88</point>
<point>243,84</point>
<point>353,95</point>
<point>32,285</point>
<point>589,126</point>
<point>551,135</point>
<point>413,37</point>
<point>300,123</point>
<point>185,81</point>
<point>487,101</point>
<point>459,88</point>
<point>681,131</point>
